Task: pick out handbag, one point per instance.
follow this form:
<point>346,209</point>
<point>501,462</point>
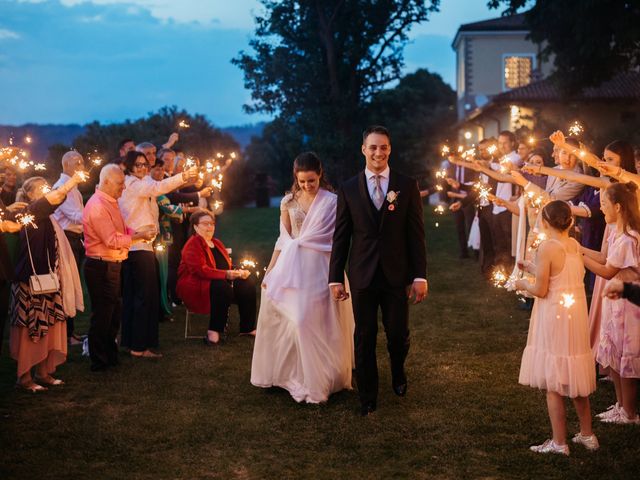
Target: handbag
<point>46,282</point>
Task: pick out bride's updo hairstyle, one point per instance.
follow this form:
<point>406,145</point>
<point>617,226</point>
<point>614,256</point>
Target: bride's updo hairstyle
<point>558,215</point>
<point>308,162</point>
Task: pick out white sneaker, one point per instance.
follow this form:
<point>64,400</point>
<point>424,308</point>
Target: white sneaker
<point>590,442</point>
<point>549,446</point>
<point>611,411</point>
<point>621,418</point>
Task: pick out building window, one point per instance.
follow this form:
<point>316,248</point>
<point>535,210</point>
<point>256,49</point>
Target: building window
<point>517,71</point>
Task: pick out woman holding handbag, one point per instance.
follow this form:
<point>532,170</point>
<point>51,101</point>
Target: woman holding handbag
<point>38,336</point>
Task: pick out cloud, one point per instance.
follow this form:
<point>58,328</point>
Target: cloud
<point>8,34</point>
<point>234,14</point>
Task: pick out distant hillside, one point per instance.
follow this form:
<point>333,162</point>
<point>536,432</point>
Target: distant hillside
<point>44,136</point>
<point>244,133</point>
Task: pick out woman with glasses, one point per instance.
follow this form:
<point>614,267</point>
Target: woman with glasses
<point>208,283</point>
<point>141,295</point>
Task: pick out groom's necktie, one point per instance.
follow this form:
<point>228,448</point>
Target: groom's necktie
<point>377,197</point>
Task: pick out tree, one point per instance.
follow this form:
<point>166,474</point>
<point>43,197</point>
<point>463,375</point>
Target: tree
<point>419,113</point>
<point>590,40</point>
<point>201,138</point>
<point>316,63</point>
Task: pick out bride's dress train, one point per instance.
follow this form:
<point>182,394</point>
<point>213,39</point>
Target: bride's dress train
<point>304,339</point>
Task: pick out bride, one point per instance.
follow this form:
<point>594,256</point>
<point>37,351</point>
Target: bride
<point>304,340</point>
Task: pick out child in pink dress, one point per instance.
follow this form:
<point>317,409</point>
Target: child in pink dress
<point>619,346</point>
<point>558,355</point>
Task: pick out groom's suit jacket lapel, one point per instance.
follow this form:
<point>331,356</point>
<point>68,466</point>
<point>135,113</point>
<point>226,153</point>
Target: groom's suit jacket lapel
<point>366,199</point>
<point>385,205</point>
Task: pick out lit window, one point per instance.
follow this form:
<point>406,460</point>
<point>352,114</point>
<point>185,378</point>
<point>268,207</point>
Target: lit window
<point>517,71</point>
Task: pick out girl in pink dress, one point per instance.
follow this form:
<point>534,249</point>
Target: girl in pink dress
<point>619,346</point>
<point>558,356</point>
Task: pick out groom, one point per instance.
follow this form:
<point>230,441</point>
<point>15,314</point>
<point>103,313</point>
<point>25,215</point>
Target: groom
<point>379,218</point>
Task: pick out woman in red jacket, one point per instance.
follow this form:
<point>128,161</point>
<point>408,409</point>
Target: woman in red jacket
<point>207,283</point>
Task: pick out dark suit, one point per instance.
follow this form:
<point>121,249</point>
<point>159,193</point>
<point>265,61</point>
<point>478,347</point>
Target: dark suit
<point>386,251</point>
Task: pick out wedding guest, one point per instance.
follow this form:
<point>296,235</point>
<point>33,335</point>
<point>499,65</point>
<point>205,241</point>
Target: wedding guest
<point>208,283</point>
<point>38,335</point>
<point>619,347</point>
<point>538,158</point>
<point>148,149</point>
<point>107,243</point>
<point>524,149</point>
<point>69,216</point>
<point>557,357</point>
<point>501,223</point>
<point>463,216</point>
<point>168,158</point>
<point>139,272</point>
<point>7,225</point>
<point>9,186</point>
<point>168,213</point>
<point>125,146</point>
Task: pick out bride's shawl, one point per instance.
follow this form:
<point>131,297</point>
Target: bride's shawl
<point>316,234</point>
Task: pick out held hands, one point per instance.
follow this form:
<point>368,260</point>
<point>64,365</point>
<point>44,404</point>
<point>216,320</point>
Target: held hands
<point>608,169</point>
<point>339,293</point>
<point>16,207</point>
<point>9,226</point>
<point>418,291</point>
<point>205,192</point>
<point>145,234</point>
<point>613,289</point>
<point>455,206</point>
<point>531,169</point>
<point>453,183</point>
<point>237,274</point>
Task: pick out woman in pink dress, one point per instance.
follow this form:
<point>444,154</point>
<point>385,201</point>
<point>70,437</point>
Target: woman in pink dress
<point>558,357</point>
<point>619,345</point>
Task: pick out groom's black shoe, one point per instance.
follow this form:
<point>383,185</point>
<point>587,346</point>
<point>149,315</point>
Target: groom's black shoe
<point>367,408</point>
<point>400,389</point>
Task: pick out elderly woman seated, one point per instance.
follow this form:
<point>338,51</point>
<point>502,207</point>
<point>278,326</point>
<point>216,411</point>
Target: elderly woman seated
<point>207,283</point>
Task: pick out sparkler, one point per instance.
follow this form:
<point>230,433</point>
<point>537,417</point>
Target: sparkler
<point>499,278</point>
<point>45,189</point>
<point>26,219</point>
<point>439,188</point>
<point>540,237</point>
<point>445,150</point>
<point>575,130</point>
<point>248,264</point>
<point>441,173</point>
<point>439,210</point>
<point>492,149</point>
<point>567,300</point>
<point>532,141</point>
<point>183,124</point>
<point>160,247</point>
<point>28,139</point>
<point>460,149</point>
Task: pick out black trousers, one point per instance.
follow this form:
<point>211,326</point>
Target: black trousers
<point>223,293</point>
<point>75,240</point>
<point>141,301</point>
<point>174,257</point>
<point>4,307</point>
<point>501,234</point>
<point>103,283</point>
<point>394,305</point>
<point>487,255</point>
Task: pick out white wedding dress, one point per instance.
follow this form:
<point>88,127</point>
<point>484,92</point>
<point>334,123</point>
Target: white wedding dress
<point>304,339</point>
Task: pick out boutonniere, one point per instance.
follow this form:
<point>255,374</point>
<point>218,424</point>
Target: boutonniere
<point>392,198</point>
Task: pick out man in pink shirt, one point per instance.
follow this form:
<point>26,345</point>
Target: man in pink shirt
<point>107,243</point>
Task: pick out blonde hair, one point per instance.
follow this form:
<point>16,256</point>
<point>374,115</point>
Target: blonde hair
<point>22,195</point>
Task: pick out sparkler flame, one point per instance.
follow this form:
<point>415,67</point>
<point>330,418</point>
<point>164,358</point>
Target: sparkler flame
<point>183,124</point>
<point>26,219</point>
<point>567,300</point>
<point>575,129</point>
<point>492,149</point>
<point>439,210</point>
<point>499,278</point>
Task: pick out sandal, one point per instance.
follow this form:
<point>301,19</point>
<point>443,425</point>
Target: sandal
<point>49,380</point>
<point>31,387</point>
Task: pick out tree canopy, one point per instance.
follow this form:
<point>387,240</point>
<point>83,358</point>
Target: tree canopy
<point>315,65</point>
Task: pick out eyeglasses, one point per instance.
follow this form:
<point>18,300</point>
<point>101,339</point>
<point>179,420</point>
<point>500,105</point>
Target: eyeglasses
<point>207,224</point>
<point>141,165</point>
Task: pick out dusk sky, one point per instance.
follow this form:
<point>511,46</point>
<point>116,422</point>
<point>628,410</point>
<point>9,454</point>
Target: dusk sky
<point>74,61</point>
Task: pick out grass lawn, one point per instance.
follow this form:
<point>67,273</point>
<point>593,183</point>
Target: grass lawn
<point>193,413</point>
